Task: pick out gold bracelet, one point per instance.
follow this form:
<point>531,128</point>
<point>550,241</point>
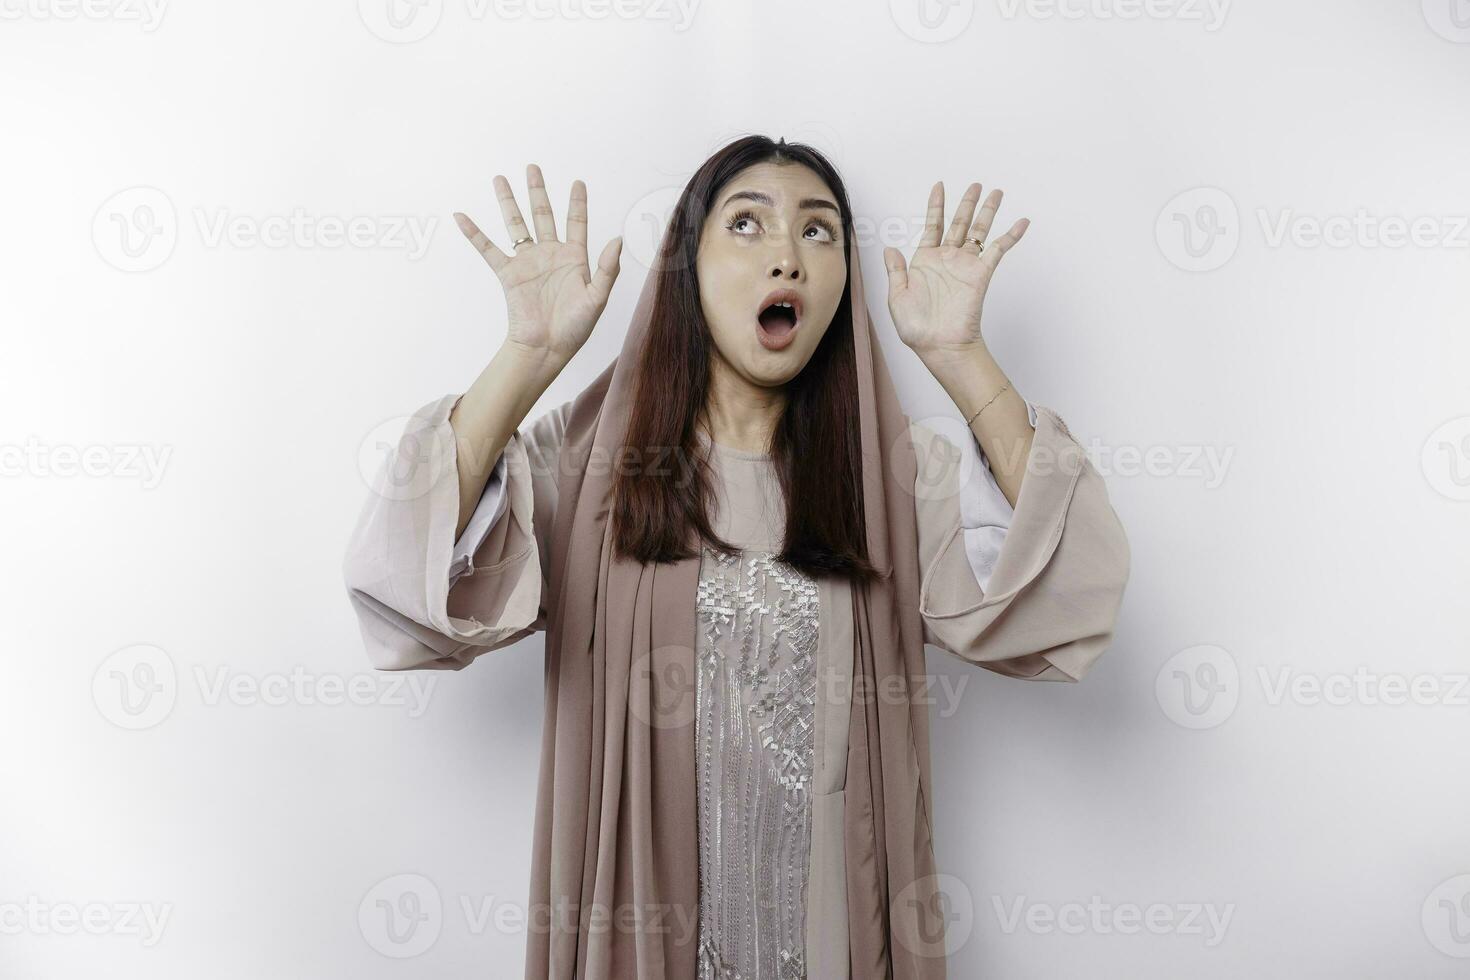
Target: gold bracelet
<point>987,404</point>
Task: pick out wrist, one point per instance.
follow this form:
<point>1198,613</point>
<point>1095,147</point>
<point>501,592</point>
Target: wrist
<point>955,362</point>
<point>970,376</point>
<point>536,365</point>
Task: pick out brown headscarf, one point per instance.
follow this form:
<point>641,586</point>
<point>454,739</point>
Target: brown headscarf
<point>615,862</point>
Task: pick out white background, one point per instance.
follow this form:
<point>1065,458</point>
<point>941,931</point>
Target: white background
<point>1326,546</point>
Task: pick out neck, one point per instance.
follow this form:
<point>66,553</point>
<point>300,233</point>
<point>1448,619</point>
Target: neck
<point>740,413</point>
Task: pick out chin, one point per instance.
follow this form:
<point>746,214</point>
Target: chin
<point>774,368</point>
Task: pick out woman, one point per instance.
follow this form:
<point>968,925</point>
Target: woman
<point>738,545</point>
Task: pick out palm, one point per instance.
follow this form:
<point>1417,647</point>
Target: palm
<point>552,297</point>
<point>936,299</point>
<point>548,302</point>
<point>940,304</point>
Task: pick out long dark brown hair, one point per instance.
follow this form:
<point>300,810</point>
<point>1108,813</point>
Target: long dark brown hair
<point>816,447</point>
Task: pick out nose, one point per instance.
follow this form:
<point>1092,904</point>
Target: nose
<point>786,267</point>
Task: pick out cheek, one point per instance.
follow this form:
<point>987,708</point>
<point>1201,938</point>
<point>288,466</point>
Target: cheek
<point>724,285</point>
<point>831,273</point>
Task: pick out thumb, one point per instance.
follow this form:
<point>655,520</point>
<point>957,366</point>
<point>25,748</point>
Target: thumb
<point>898,272</point>
<point>607,270</point>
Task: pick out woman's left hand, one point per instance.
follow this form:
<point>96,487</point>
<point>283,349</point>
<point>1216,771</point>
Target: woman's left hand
<point>935,300</point>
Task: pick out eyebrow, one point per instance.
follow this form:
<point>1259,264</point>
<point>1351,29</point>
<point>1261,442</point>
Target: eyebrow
<point>760,197</point>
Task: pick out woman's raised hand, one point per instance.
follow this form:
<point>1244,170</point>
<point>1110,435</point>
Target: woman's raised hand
<point>552,298</point>
<point>936,299</point>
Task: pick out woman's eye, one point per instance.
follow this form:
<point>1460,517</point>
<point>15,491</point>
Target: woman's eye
<point>745,224</point>
<point>742,224</point>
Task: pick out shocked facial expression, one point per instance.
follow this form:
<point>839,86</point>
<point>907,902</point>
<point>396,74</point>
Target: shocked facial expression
<point>772,270</point>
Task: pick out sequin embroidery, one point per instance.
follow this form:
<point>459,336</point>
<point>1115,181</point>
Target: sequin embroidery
<point>755,691</point>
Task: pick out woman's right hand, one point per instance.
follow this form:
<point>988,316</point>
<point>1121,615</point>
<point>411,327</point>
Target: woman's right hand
<point>552,298</point>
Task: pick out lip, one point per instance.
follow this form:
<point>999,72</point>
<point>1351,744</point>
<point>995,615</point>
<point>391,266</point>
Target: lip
<point>769,341</point>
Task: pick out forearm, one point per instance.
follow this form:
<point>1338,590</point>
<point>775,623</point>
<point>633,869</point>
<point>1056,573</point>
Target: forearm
<point>490,412</point>
<point>972,378</point>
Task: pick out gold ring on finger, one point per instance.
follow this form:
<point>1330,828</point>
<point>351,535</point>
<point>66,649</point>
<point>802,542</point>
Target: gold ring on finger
<point>977,241</point>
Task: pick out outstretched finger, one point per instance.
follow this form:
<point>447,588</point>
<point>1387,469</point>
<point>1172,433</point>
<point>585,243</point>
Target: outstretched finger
<point>541,215</point>
<point>1005,242</point>
<point>492,255</point>
<point>577,215</point>
<point>966,210</point>
<point>515,225</point>
<point>934,216</point>
<point>986,217</point>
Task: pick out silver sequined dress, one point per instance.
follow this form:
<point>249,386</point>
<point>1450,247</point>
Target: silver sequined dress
<point>755,691</point>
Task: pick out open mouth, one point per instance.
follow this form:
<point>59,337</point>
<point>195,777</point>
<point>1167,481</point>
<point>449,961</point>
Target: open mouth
<point>779,316</point>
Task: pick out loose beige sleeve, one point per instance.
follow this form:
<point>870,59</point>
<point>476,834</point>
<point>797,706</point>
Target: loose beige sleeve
<point>1048,609</point>
<point>412,611</point>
